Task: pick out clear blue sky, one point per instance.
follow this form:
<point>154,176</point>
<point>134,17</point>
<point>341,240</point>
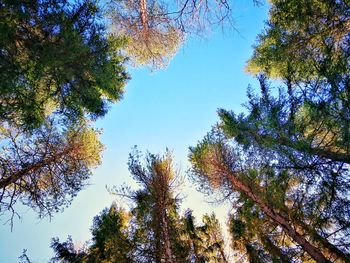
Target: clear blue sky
<point>171,108</point>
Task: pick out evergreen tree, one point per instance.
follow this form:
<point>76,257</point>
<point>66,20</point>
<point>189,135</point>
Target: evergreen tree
<point>111,241</point>
<point>156,208</point>
<point>58,67</point>
<point>205,240</point>
<point>304,39</point>
<point>153,230</point>
<point>218,165</point>
<point>289,154</point>
<point>44,169</point>
<point>55,57</point>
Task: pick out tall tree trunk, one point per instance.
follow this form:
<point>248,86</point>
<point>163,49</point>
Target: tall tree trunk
<point>158,238</point>
<point>144,18</point>
<point>277,217</point>
<point>167,243</point>
<point>223,256</point>
<point>329,247</point>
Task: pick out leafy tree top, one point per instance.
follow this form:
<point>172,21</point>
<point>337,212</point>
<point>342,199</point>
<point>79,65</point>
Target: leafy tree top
<point>55,57</point>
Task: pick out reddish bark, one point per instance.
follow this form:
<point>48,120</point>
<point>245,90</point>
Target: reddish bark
<point>276,216</point>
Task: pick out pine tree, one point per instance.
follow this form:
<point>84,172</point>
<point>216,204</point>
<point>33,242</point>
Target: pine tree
<point>205,240</point>
<point>295,201</point>
<point>56,57</point>
<point>153,230</point>
<point>46,168</point>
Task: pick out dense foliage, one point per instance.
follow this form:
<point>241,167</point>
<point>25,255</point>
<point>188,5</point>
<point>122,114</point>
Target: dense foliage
<point>55,56</point>
<point>285,163</point>
<point>58,68</point>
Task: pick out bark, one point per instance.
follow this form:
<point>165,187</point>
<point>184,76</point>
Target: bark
<point>158,252</point>
<point>33,168</point>
<point>223,255</point>
<point>167,244</point>
<point>277,217</point>
<point>158,239</point>
<point>144,16</point>
<point>329,247</point>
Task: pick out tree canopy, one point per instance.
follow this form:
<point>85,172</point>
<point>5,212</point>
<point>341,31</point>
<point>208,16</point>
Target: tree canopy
<point>56,57</point>
<point>59,68</point>
<point>154,30</point>
<point>46,168</point>
<point>284,164</point>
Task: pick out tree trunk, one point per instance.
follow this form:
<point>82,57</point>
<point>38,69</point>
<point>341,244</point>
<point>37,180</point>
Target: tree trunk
<point>32,168</point>
<point>313,251</point>
<point>223,255</point>
<point>329,247</point>
<point>167,244</point>
<point>144,17</point>
<point>158,238</point>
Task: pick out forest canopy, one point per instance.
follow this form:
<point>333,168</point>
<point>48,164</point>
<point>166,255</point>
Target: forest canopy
<point>282,165</point>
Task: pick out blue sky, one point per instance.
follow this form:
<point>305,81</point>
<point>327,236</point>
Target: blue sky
<point>171,108</point>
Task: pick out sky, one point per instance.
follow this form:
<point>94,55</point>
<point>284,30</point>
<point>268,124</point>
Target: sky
<point>171,108</point>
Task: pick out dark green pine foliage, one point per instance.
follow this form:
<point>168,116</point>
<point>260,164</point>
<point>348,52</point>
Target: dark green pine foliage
<point>303,38</point>
<point>305,135</point>
<point>55,57</point>
<point>306,45</point>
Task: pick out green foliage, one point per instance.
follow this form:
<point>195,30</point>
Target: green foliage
<point>303,39</point>
<point>111,242</point>
<point>205,240</point>
<point>153,230</point>
<point>56,58</point>
<point>288,153</point>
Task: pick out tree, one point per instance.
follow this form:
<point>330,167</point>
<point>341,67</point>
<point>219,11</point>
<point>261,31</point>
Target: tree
<point>66,253</point>
<point>55,57</point>
<point>153,230</point>
<point>206,240</point>
<point>152,38</point>
<point>281,194</point>
<point>156,214</point>
<point>47,167</point>
<point>257,239</point>
<point>301,134</point>
<point>313,35</point>
<point>155,29</point>
<point>24,258</point>
<point>110,241</point>
<point>58,67</point>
